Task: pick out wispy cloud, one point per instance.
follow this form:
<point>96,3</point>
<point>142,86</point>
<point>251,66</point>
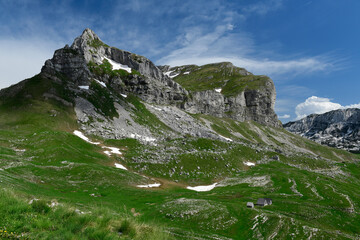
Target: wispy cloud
<point>258,66</point>
<point>226,43</point>
<point>285,116</point>
<point>263,7</point>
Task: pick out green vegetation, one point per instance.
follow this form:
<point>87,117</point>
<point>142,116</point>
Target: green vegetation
<point>102,100</point>
<point>144,117</point>
<point>96,43</point>
<point>221,75</point>
<point>41,219</point>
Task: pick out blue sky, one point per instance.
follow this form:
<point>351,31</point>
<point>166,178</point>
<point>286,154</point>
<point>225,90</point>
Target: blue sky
<point>310,48</point>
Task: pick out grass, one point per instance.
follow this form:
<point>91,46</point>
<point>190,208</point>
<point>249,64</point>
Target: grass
<point>221,75</point>
<point>96,43</point>
<point>22,219</point>
<point>102,100</point>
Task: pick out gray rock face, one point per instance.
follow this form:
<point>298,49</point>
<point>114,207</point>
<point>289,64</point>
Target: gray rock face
<point>251,105</point>
<point>70,63</point>
<point>153,85</point>
<point>339,128</point>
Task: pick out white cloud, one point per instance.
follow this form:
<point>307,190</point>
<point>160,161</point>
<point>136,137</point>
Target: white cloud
<point>24,58</point>
<point>318,105</point>
<point>357,105</point>
<point>285,116</point>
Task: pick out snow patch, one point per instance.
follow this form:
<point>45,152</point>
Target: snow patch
<point>174,75</point>
<point>186,73</point>
<point>156,108</point>
<point>117,66</point>
<point>84,87</point>
<point>149,185</point>
<point>168,74</point>
<point>143,138</point>
<point>118,165</point>
<point>19,150</point>
<point>218,90</point>
<point>227,139</point>
<point>123,95</point>
<point>203,188</point>
<point>101,83</point>
<point>113,150</point>
<point>83,137</point>
<point>249,164</point>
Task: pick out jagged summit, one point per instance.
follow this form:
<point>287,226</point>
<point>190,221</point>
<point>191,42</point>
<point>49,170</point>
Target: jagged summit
<point>87,41</point>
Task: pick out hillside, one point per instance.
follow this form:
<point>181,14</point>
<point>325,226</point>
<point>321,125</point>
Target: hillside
<point>107,136</point>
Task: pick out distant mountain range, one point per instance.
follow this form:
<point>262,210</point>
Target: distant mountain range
<point>338,128</point>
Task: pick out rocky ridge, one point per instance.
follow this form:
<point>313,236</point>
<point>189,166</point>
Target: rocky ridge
<point>338,128</point>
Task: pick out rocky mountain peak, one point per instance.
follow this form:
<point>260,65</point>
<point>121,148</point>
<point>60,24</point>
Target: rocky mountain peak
<point>217,89</point>
<point>89,58</point>
<point>85,39</point>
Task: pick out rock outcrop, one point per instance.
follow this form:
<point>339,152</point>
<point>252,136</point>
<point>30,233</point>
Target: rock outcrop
<point>338,128</point>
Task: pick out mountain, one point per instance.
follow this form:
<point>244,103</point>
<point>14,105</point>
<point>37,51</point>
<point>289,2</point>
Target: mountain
<point>339,128</point>
<point>103,144</point>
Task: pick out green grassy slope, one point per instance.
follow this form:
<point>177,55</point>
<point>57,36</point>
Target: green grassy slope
<point>231,79</point>
<point>315,190</point>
